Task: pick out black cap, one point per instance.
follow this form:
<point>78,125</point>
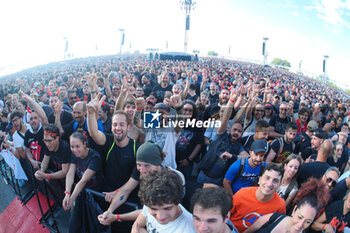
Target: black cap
<point>318,133</point>
<point>259,146</point>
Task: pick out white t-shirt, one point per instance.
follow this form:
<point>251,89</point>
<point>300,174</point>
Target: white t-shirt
<point>282,190</point>
<point>18,141</point>
<point>184,223</point>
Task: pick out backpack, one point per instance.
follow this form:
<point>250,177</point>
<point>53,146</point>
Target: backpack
<point>241,170</point>
<point>281,142</point>
<point>215,148</point>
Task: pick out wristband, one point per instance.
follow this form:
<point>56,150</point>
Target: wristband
<point>117,191</point>
<point>232,100</point>
<point>139,109</point>
<point>93,92</point>
<point>118,218</point>
<point>66,192</point>
<point>47,176</point>
<point>324,226</point>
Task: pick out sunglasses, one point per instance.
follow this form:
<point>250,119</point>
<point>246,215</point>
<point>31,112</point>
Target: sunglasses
<point>330,180</point>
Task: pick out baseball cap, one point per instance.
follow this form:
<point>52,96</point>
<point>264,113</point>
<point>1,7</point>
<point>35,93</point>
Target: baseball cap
<point>268,105</point>
<point>162,106</point>
<point>318,133</point>
<point>259,146</point>
<point>312,125</point>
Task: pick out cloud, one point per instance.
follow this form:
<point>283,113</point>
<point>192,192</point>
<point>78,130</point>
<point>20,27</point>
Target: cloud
<point>333,12</point>
<point>296,14</point>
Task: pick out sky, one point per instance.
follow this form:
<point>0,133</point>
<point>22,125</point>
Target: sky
<point>302,31</point>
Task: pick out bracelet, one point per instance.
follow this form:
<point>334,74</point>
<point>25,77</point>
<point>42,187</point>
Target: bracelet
<point>93,92</point>
<point>117,191</point>
<point>232,100</point>
<point>47,176</point>
<point>118,218</point>
<point>139,109</point>
<point>66,192</point>
<point>324,226</point>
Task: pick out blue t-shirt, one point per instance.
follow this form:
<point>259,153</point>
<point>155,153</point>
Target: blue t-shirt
<point>249,174</point>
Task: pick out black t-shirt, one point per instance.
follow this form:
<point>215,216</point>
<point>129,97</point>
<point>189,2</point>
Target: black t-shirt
<point>279,124</point>
<point>66,118</point>
<point>315,169</point>
<point>340,164</point>
<point>282,151</point>
<point>61,156</point>
<point>336,210</point>
<point>247,142</point>
<point>119,164</point>
<point>93,162</point>
<point>187,141</point>
<point>107,126</point>
<point>303,143</point>
<point>214,98</point>
<point>212,112</point>
<point>35,143</point>
<point>193,98</point>
<point>160,91</point>
<point>147,90</point>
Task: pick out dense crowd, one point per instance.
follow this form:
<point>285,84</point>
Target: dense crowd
<point>206,146</point>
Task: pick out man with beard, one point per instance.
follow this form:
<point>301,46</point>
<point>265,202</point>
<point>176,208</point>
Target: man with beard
<point>227,152</point>
<point>79,123</point>
<point>18,136</point>
<point>33,138</point>
<point>245,171</point>
<point>212,111</point>
<point>147,86</point>
<point>120,150</point>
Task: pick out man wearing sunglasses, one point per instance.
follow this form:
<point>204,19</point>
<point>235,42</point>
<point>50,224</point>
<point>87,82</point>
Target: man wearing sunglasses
<point>330,177</point>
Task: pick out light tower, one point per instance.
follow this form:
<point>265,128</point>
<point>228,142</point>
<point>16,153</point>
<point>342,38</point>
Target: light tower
<point>188,5</point>
<point>324,67</point>
<point>65,47</point>
<point>264,50</point>
<point>122,31</point>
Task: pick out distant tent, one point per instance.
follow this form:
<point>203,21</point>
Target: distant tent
<point>175,56</point>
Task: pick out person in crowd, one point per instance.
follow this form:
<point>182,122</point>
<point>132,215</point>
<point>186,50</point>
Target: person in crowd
<point>254,112</point>
<point>22,107</point>
<point>161,194</point>
<point>261,133</point>
<point>269,112</point>
<point>57,152</point>
<point>317,168</point>
<point>119,149</point>
<point>282,147</point>
<point>65,115</point>
<point>279,121</point>
<point>245,171</point>
<point>163,86</point>
<point>228,146</point>
<point>335,217</point>
<point>212,111</point>
<point>86,165</point>
<point>338,158</point>
<point>18,135</point>
<point>304,140</point>
<point>189,141</point>
<point>149,157</point>
<point>289,186</point>
<point>309,200</point>
<point>211,210</point>
<point>302,121</point>
<point>250,203</point>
